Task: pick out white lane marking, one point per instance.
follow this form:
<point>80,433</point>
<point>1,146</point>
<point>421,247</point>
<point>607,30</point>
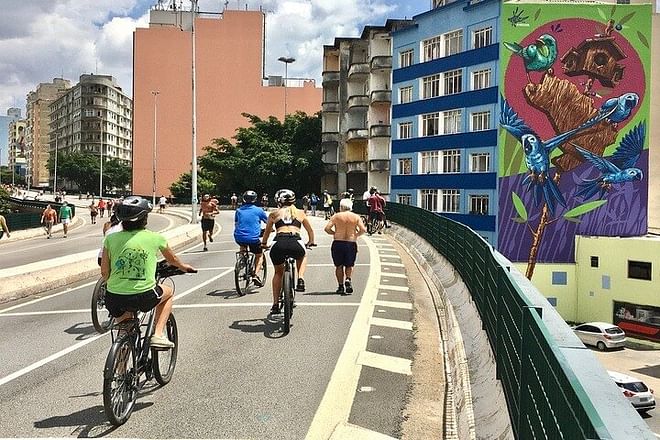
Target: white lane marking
<point>391,264</point>
<point>392,287</point>
<point>178,296</point>
<point>384,362</point>
<point>49,359</point>
<point>346,430</point>
<point>392,323</point>
<point>215,268</point>
<point>394,304</point>
<point>45,312</point>
<point>70,289</point>
<point>335,406</point>
<point>389,251</point>
<point>656,434</point>
<point>396,275</point>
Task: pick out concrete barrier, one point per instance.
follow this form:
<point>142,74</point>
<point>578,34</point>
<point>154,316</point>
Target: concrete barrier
<point>33,278</point>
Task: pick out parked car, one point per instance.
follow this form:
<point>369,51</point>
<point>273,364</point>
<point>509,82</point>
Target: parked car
<point>635,390</point>
<point>601,335</point>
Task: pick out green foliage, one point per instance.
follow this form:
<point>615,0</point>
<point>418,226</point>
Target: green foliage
<point>116,174</point>
<point>5,174</point>
<point>4,201</point>
<point>643,39</point>
<point>181,188</point>
<point>82,169</point>
<point>520,208</point>
<point>579,210</point>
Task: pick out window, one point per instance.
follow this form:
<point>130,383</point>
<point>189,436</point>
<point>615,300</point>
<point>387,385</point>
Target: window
<point>405,130</point>
<point>479,204</point>
<point>431,48</point>
<point>552,301</point>
<point>451,200</point>
<point>481,79</point>
<point>430,162</point>
<point>594,261</point>
<point>453,42</point>
<point>605,282</point>
<point>482,37</point>
<point>405,166</point>
<point>639,270</point>
<point>431,86</point>
<point>559,278</point>
<point>431,124</point>
<point>453,82</point>
<point>405,94</point>
<point>429,199</point>
<point>481,121</point>
<point>452,122</point>
<point>480,162</point>
<point>451,161</point>
<point>404,199</point>
<point>406,58</point>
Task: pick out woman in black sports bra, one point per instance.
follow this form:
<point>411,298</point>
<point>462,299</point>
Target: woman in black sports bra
<point>287,221</point>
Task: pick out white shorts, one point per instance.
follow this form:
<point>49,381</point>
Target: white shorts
<point>66,221</point>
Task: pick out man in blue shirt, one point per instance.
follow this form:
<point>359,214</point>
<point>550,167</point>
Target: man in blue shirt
<point>247,231</point>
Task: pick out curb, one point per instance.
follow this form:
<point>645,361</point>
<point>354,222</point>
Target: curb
<point>34,278</point>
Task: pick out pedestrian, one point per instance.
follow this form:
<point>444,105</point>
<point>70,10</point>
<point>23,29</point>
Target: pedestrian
<point>4,229</point>
<point>327,205</point>
<point>65,217</point>
<point>48,219</point>
<point>234,201</point>
<point>161,204</point>
<point>313,201</point>
<point>305,203</point>
<point>207,209</point>
<point>109,206</point>
<point>345,227</point>
<point>264,201</point>
<point>101,206</point>
<point>93,212</point>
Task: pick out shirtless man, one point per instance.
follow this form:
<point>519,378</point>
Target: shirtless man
<point>48,219</point>
<point>207,209</point>
<point>4,229</point>
<point>346,227</point>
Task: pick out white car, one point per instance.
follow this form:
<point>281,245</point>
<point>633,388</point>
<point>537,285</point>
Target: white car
<point>635,390</point>
<point>601,335</point>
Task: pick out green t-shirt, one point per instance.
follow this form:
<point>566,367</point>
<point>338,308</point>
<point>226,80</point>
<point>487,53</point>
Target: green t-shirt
<point>65,212</point>
<point>133,256</point>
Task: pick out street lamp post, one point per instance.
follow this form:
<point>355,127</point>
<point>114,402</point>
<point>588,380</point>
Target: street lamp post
<point>194,119</point>
<point>55,179</point>
<point>101,168</point>
<point>153,188</point>
<point>286,61</point>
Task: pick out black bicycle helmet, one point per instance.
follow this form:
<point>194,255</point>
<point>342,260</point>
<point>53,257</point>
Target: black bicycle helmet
<point>285,197</point>
<point>249,196</point>
<point>373,190</point>
<point>133,208</point>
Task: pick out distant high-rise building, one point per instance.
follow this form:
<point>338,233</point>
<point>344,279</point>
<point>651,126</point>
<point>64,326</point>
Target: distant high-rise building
<point>16,154</point>
<point>13,114</point>
<point>37,129</point>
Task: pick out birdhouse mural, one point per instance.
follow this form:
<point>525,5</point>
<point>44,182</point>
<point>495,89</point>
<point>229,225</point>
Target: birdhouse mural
<point>573,138</point>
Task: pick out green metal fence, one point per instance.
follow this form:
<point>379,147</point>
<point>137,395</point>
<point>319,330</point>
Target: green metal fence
<point>17,221</point>
<point>545,399</point>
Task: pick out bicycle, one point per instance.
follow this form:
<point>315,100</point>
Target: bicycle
<point>330,212</point>
<point>243,270</point>
<point>131,356</point>
<point>376,224</point>
<point>98,306</point>
<point>288,294</point>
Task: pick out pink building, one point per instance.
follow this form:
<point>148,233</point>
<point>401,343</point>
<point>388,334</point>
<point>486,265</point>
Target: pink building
<point>229,81</point>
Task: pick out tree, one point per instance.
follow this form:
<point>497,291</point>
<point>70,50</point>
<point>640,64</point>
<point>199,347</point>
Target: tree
<point>116,174</point>
<point>81,169</point>
<point>4,201</point>
<point>181,188</point>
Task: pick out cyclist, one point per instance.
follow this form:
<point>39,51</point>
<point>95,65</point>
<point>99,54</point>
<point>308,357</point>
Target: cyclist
<point>129,267</point>
<point>376,203</point>
<point>247,231</point>
<point>287,221</point>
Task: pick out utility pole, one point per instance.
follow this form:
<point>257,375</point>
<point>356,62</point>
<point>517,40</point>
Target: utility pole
<point>153,188</point>
<point>194,119</point>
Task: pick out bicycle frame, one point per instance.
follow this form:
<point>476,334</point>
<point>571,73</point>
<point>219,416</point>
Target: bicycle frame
<point>140,340</point>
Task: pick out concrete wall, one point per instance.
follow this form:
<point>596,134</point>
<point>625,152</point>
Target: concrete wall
<point>564,296</point>
<point>229,82</point>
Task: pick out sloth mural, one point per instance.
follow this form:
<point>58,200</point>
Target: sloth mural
<point>573,137</point>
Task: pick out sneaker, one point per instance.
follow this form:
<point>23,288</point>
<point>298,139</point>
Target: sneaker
<point>340,289</point>
<point>210,239</point>
<point>64,235</point>
<point>349,286</point>
<point>257,281</point>
<point>300,287</point>
<point>205,249</point>
<point>161,342</point>
<point>275,310</point>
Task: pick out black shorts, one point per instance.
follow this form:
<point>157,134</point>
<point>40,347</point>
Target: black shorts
<point>145,301</point>
<point>2,233</point>
<point>255,247</point>
<point>344,253</point>
<point>286,245</point>
<point>208,224</point>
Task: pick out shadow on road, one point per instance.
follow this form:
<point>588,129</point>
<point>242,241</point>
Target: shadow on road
<point>270,327</point>
<point>84,330</point>
<point>331,293</point>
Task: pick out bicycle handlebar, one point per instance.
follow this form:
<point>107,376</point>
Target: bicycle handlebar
<point>164,270</point>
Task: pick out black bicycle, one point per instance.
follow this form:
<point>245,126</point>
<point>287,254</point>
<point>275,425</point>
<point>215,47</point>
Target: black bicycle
<point>376,224</point>
<point>288,293</point>
<point>101,319</point>
<point>131,357</point>
<point>244,269</point>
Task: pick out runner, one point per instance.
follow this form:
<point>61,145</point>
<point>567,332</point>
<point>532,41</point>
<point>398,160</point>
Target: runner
<point>101,206</point>
<point>4,229</point>
<point>234,201</point>
<point>161,204</point>
<point>207,209</point>
<point>93,212</point>
<point>48,219</point>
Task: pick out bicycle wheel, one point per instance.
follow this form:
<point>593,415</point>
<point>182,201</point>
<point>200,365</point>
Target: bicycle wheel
<point>287,300</point>
<point>263,273</point>
<point>164,361</point>
<point>241,276</point>
<point>98,308</point>
<point>120,381</point>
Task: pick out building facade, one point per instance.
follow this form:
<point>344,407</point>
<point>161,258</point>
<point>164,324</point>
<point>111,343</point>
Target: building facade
<point>37,130</point>
<point>13,114</point>
<point>96,117</point>
<point>229,67</point>
<point>445,113</point>
<point>16,153</point>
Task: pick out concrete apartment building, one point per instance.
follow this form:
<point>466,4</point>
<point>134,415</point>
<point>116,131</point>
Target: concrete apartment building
<point>13,114</point>
<point>37,130</point>
<point>357,99</point>
<point>16,154</point>
<point>230,81</point>
<point>95,117</point>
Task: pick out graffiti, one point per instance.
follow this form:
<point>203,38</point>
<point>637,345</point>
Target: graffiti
<point>517,19</point>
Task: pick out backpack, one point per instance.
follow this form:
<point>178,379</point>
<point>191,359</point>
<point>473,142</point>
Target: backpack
<point>315,199</point>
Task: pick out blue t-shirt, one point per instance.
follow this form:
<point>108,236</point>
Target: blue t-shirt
<point>247,223</point>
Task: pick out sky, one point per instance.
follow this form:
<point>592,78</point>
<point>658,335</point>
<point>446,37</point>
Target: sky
<point>44,39</point>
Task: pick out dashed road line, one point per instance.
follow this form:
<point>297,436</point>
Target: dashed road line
<point>392,323</point>
<point>393,287</point>
<point>43,298</point>
<point>384,362</point>
<point>396,275</point>
<point>394,304</point>
<point>391,264</point>
<point>347,430</point>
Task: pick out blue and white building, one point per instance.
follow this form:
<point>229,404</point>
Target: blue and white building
<point>445,113</point>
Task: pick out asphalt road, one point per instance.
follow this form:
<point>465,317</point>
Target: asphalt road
<point>237,375</point>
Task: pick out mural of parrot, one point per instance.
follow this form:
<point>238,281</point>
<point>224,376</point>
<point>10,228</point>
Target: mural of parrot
<point>537,154</point>
<point>619,109</point>
<point>538,56</point>
<point>621,167</point>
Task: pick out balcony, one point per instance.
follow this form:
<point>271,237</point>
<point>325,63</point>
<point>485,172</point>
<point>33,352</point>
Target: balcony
<point>358,71</point>
<point>380,130</point>
<point>356,167</point>
<point>379,165</point>
<point>382,96</point>
<point>330,78</point>
<point>330,107</point>
<point>329,136</point>
<point>356,134</point>
<point>357,101</point>
<point>330,168</point>
<point>381,62</point>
